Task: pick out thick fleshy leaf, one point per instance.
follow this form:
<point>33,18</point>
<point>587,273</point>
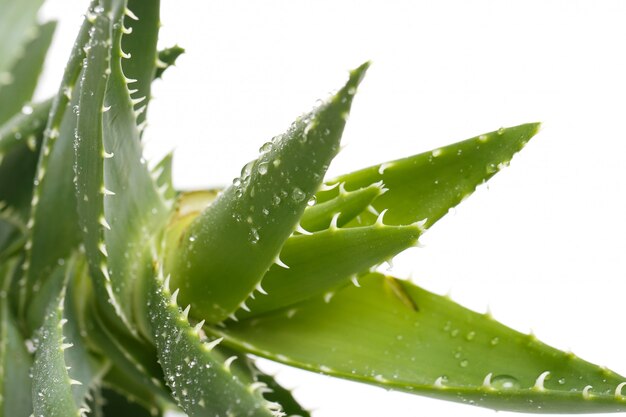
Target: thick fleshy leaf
<point>426,186</point>
<point>25,73</point>
<point>347,204</point>
<point>17,20</point>
<point>15,361</point>
<point>322,262</point>
<point>252,218</point>
<point>54,188</point>
<point>162,174</point>
<point>142,22</point>
<point>118,204</point>
<point>393,334</point>
<point>167,58</point>
<point>200,379</point>
<point>52,384</point>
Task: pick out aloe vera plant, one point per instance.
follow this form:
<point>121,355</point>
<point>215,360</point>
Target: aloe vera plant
<point>124,296</point>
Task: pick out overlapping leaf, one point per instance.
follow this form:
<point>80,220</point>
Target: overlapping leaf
<point>25,73</point>
<point>426,186</point>
<point>252,218</point>
<point>200,379</point>
<point>396,335</point>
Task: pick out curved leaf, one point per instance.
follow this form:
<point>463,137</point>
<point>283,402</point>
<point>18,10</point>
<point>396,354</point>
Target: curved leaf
<point>252,219</point>
<point>393,334</point>
<point>200,380</point>
<point>348,204</point>
<point>25,73</point>
<point>426,186</point>
<point>324,261</point>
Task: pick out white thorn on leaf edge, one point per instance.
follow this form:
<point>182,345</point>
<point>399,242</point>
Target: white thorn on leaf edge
<point>302,230</point>
<point>540,380</point>
<point>586,394</point>
<point>174,296</point>
<point>130,14</point>
<point>333,221</point>
<point>618,390</point>
<point>186,311</point>
<point>379,219</point>
<point>280,263</point>
<point>211,345</point>
<point>487,381</point>
<point>229,362</point>
<point>260,289</point>
<point>198,327</point>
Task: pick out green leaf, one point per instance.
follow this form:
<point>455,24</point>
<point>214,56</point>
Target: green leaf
<point>17,21</point>
<point>24,127</point>
<point>25,73</point>
<point>322,262</point>
<point>167,58</point>
<point>52,385</point>
<point>15,361</point>
<point>54,188</point>
<point>252,219</point>
<point>162,174</point>
<point>140,43</point>
<point>426,186</point>
<point>200,379</point>
<point>393,334</point>
<point>118,204</point>
<point>347,204</point>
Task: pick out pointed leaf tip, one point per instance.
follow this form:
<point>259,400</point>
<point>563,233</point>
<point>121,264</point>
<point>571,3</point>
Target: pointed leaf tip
<point>252,219</point>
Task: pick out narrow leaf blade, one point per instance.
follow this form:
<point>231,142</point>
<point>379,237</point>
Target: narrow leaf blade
<point>200,380</point>
<point>393,334</point>
<point>321,263</point>
<point>252,219</point>
<point>426,186</point>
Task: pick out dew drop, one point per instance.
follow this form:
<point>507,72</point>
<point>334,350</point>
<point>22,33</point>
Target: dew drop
<point>311,201</point>
<point>561,381</point>
<point>470,336</point>
<point>253,236</point>
<point>504,382</point>
<point>262,168</point>
<point>297,195</point>
<point>464,363</point>
<point>267,146</point>
<point>500,131</point>
<point>495,341</point>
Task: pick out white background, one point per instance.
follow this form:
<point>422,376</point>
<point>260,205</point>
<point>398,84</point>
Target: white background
<point>543,245</point>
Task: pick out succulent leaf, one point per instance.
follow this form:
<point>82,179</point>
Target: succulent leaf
<point>52,385</point>
<point>140,42</point>
<point>396,335</point>
<point>53,190</point>
<point>346,204</point>
<point>434,182</point>
<point>15,360</point>
<point>201,381</point>
<point>322,262</point>
<point>17,19</point>
<point>25,74</point>
<point>227,249</point>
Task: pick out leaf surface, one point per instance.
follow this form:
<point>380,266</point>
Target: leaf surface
<point>426,186</point>
<point>322,262</point>
<point>201,381</point>
<point>396,335</point>
<point>25,73</point>
<point>227,249</point>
